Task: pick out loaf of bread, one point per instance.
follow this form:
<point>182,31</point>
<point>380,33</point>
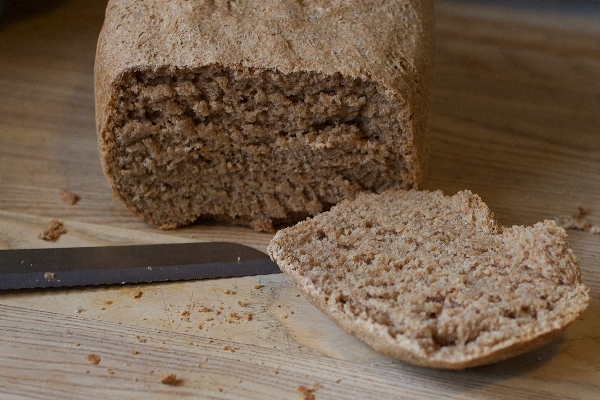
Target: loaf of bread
<point>260,112</point>
<point>433,280</point>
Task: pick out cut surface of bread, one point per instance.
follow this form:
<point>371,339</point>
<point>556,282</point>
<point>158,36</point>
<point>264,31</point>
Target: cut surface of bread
<point>434,280</point>
<point>260,112</point>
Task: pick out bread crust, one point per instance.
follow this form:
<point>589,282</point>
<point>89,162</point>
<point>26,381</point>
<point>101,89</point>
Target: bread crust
<point>479,319</point>
<point>388,45</point>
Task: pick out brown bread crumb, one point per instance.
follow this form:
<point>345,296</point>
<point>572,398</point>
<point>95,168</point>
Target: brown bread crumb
<point>94,359</point>
<point>171,379</point>
<point>247,315</point>
<point>184,316</point>
<point>68,197</point>
<point>53,231</point>
<point>577,221</point>
<point>306,393</point>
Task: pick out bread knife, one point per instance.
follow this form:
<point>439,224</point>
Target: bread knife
<point>107,265</point>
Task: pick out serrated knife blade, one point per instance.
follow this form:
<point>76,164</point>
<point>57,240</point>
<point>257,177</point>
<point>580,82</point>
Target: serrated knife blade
<point>107,265</point>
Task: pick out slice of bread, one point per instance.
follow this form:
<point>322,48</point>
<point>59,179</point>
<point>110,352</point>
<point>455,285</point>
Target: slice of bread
<point>433,280</point>
<point>260,112</point>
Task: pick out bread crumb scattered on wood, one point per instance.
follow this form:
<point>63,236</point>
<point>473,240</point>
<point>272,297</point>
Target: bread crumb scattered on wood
<point>140,339</point>
<point>69,197</point>
<point>53,231</point>
<point>94,359</point>
<point>229,348</point>
<point>577,221</point>
<point>171,379</point>
<point>306,393</point>
<point>228,291</point>
<point>259,286</point>
<point>185,316</point>
<point>236,318</point>
<point>79,310</point>
<point>49,276</point>
<point>136,293</point>
<point>134,351</point>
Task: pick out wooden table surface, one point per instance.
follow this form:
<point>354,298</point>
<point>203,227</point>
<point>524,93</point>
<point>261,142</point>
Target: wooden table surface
<point>515,118</point>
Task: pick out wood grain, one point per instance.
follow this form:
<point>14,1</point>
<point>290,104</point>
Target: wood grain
<point>55,347</point>
<point>514,118</point>
<point>515,107</point>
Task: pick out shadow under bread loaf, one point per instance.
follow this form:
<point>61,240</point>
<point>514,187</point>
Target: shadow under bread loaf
<point>260,112</point>
<point>434,280</point>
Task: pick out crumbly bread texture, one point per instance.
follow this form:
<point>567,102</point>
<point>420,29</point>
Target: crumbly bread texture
<point>433,280</point>
<point>260,112</point>
<point>53,231</point>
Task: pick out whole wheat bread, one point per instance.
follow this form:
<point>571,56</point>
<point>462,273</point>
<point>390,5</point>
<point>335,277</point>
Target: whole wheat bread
<point>433,280</point>
<point>260,112</point>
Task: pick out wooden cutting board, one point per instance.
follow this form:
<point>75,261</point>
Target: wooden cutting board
<point>515,119</point>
